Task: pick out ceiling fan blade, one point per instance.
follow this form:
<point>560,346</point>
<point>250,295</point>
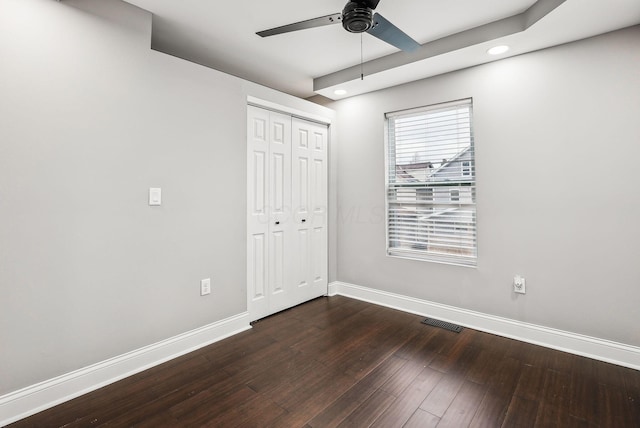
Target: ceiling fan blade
<point>387,32</point>
<point>302,25</point>
<point>371,4</point>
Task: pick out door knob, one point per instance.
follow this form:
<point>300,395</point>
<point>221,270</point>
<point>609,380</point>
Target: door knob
<point>277,222</point>
<point>304,219</point>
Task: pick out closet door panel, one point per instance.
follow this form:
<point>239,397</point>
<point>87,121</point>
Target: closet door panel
<point>309,205</point>
<point>258,209</point>
<point>301,258</point>
<point>258,259</point>
<point>280,225</point>
<point>319,181</point>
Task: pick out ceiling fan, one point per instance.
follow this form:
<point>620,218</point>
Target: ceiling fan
<point>356,17</point>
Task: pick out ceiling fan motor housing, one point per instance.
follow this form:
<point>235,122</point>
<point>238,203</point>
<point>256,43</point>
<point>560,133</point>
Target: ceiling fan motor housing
<point>356,17</point>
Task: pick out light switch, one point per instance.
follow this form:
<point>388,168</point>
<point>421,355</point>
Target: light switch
<point>155,196</point>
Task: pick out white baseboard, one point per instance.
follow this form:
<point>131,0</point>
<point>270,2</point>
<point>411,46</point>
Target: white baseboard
<point>332,289</point>
<point>35,398</point>
<point>591,347</point>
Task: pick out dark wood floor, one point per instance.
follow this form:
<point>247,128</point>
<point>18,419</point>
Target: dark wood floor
<point>341,362</point>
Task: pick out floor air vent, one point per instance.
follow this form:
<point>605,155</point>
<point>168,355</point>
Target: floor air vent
<point>442,324</point>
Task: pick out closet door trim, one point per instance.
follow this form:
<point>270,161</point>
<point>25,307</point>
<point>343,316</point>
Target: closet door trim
<point>294,113</point>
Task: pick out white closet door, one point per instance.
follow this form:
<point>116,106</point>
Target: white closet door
<point>269,212</point>
<point>257,209</point>
<point>286,211</point>
<point>309,187</point>
<point>280,224</point>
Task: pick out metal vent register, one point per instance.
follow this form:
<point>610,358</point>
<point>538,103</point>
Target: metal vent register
<point>442,324</point>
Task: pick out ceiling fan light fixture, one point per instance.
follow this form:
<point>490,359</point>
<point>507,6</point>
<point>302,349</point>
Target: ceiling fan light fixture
<point>498,50</point>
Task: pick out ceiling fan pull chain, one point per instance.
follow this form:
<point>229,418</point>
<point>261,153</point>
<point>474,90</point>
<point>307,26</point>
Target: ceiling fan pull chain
<point>361,59</point>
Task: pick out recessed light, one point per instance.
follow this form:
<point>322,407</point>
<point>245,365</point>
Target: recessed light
<point>497,50</point>
<point>340,92</point>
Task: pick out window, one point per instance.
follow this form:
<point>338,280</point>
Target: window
<point>431,192</point>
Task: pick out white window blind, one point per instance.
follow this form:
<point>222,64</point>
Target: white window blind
<point>431,191</point>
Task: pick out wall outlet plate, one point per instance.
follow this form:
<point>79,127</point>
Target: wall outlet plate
<point>519,284</point>
<point>205,286</point>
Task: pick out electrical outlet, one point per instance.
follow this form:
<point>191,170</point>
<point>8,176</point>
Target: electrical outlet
<point>519,284</point>
<point>205,287</point>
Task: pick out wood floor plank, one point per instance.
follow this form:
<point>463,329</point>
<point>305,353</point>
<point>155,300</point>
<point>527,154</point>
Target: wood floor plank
<point>258,361</point>
<point>378,349</point>
<point>383,372</point>
<point>557,388</point>
<point>441,341</point>
<point>149,410</point>
<point>614,408</point>
<point>369,410</point>
<point>284,331</point>
<point>439,400</point>
<point>366,333</point>
<point>422,419</point>
<point>409,400</point>
<point>158,420</point>
<point>483,367</point>
<point>610,374</point>
<point>313,392</point>
<point>419,346</point>
<point>491,411</point>
<point>528,354</point>
<point>561,361</point>
<point>326,315</point>
<point>505,380</point>
<point>498,345</point>
<point>583,394</point>
<point>464,406</point>
<point>521,413</point>
<point>281,374</point>
<point>248,342</point>
<point>632,388</point>
<point>459,360</point>
<point>346,404</point>
<point>530,383</point>
<point>330,345</point>
<point>402,378</point>
<point>552,416</point>
<point>207,406</point>
<point>342,362</point>
<point>457,342</point>
<point>258,411</point>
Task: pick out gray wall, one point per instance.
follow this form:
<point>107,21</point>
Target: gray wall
<point>557,141</point>
<point>90,118</point>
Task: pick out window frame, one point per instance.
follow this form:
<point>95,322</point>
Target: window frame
<point>468,168</point>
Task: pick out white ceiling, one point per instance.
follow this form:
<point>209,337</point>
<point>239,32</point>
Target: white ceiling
<point>221,35</point>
